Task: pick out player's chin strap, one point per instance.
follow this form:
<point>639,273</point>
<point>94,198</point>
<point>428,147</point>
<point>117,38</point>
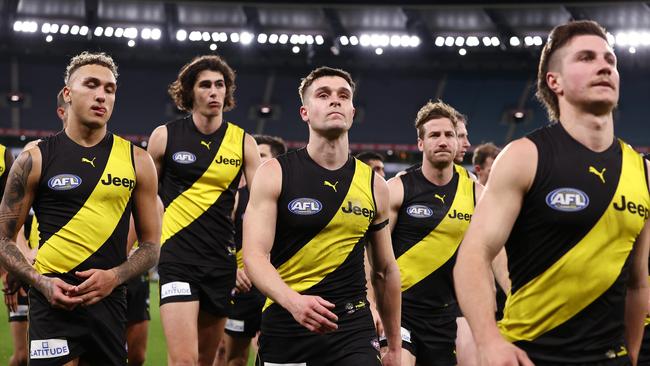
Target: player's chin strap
<point>377,227</point>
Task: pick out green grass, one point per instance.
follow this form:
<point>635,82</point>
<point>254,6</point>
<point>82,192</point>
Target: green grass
<point>156,346</point>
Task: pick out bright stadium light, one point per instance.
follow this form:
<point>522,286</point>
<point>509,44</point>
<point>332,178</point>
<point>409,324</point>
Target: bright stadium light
<point>223,37</point>
<point>83,30</point>
<point>364,40</point>
<point>145,33</point>
<point>293,39</point>
<point>319,40</point>
<point>283,39</point>
<point>54,28</point>
<point>273,38</point>
<point>344,40</point>
<point>395,41</point>
<point>449,41</point>
<point>302,39</point>
<point>495,41</point>
<point>632,50</point>
<point>462,52</point>
<point>98,31</point>
<point>472,41</point>
<point>181,35</point>
<point>295,49</point>
<point>310,39</point>
<point>155,34</point>
<point>49,38</point>
<point>379,51</point>
<point>354,40</point>
<point>528,41</point>
<point>131,43</point>
<point>119,32</point>
<point>405,40</point>
<point>108,32</point>
<point>131,33</point>
<point>74,30</point>
<point>18,26</point>
<point>611,39</point>
<point>246,38</point>
<point>45,28</point>
<point>213,46</point>
<point>487,41</point>
<point>460,41</point>
<point>262,38</point>
<point>440,41</point>
<point>234,37</point>
<point>514,41</point>
<point>205,36</point>
<point>538,41</point>
<point>415,41</point>
<point>195,36</point>
<point>64,29</point>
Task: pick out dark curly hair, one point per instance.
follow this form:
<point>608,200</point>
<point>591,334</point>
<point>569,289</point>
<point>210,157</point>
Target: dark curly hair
<point>181,89</point>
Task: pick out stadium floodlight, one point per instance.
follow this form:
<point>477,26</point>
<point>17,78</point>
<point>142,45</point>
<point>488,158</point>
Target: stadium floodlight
<point>515,41</point>
<point>54,28</point>
<point>460,41</point>
<point>262,38</point>
<point>440,41</point>
<point>194,36</point>
<point>108,32</point>
<point>295,49</point>
<point>310,39</point>
<point>131,43</point>
<point>246,38</point>
<point>354,40</point>
<point>45,28</point>
<point>379,51</point>
<point>319,40</point>
<point>538,41</point>
<point>49,38</point>
<point>632,50</point>
<point>145,33</point>
<point>206,36</point>
<point>155,34</point>
<point>621,39</point>
<point>395,41</point>
<point>364,40</point>
<point>449,41</point>
<point>181,35</point>
<point>223,37</point>
<point>98,31</point>
<point>611,39</point>
<point>74,30</point>
<point>273,38</point>
<point>384,40</point>
<point>405,40</point>
<point>131,33</point>
<point>119,32</point>
<point>293,39</point>
<point>528,41</point>
<point>213,46</point>
<point>25,26</point>
<point>83,30</point>
<point>487,41</point>
<point>64,29</point>
<point>302,39</point>
<point>215,36</point>
<point>343,40</point>
<point>462,52</point>
<point>415,41</point>
<point>283,39</point>
<point>495,41</point>
<point>234,37</point>
<point>472,41</point>
<point>18,26</point>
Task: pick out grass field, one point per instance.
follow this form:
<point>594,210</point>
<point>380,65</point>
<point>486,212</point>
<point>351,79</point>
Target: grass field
<point>156,348</point>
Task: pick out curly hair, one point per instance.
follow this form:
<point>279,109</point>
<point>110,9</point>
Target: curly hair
<point>435,110</point>
<point>181,90</point>
<point>88,58</point>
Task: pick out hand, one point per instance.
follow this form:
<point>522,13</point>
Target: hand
<point>313,313</point>
<point>392,358</point>
<point>57,293</point>
<point>98,284</point>
<point>242,283</point>
<point>502,353</point>
<point>378,324</point>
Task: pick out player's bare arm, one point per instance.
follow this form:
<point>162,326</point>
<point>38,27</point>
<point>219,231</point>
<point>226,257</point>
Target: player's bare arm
<point>157,146</point>
<point>385,273</point>
<point>495,214</point>
<point>99,283</point>
<point>312,312</point>
<point>19,194</point>
<point>251,159</point>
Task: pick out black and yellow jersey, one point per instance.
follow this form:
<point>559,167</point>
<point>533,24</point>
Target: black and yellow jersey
<point>4,169</point>
<point>430,226</point>
<point>198,185</point>
<point>83,204</point>
<point>242,202</point>
<point>568,252</point>
<point>322,218</point>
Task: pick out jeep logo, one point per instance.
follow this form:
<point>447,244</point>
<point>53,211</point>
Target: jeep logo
<point>118,182</point>
<point>356,210</point>
<point>633,208</point>
<point>226,161</point>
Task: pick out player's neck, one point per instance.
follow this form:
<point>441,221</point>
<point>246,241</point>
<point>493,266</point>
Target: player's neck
<point>331,154</point>
<point>84,135</point>
<point>595,132</point>
<point>207,124</point>
<point>439,176</point>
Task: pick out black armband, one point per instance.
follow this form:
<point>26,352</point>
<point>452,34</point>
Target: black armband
<point>377,227</point>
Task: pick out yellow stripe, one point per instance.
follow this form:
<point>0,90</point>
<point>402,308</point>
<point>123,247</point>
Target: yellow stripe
<point>586,271</point>
<point>95,222</point>
<point>461,170</point>
<point>34,234</point>
<point>240,259</point>
<point>3,163</point>
<point>426,256</point>
<point>330,247</point>
<point>197,199</point>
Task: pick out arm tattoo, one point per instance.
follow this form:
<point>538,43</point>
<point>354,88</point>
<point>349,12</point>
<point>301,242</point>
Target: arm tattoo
<point>10,256</point>
<point>145,257</point>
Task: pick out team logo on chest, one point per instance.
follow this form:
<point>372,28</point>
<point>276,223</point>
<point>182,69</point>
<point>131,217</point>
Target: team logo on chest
<point>567,200</point>
<point>64,182</point>
<point>184,157</point>
<point>305,206</point>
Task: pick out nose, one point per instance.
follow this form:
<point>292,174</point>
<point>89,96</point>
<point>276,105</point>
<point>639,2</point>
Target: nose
<point>604,67</point>
<point>101,96</point>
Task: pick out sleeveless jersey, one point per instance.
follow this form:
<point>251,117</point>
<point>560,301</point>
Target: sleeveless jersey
<point>430,226</point>
<point>568,252</point>
<point>198,185</point>
<point>322,218</point>
<point>242,202</point>
<point>83,204</point>
<point>3,168</point>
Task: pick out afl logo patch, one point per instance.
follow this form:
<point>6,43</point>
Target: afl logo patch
<point>305,206</point>
<point>567,200</point>
<point>184,157</point>
<point>419,211</point>
<point>64,182</point>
